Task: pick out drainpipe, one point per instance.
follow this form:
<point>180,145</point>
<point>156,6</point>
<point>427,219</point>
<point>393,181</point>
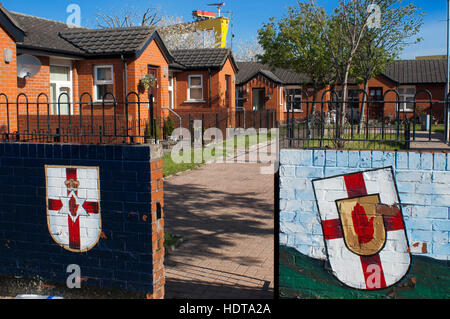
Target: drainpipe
<point>125,84</point>
<point>210,90</point>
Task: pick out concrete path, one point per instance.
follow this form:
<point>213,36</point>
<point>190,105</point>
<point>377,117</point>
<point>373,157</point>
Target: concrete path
<point>225,213</point>
<point>423,142</point>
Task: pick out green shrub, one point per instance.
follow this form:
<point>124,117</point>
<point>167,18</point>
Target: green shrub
<point>169,127</point>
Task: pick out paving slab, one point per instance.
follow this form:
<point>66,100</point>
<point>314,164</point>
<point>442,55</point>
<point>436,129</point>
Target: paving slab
<point>225,213</point>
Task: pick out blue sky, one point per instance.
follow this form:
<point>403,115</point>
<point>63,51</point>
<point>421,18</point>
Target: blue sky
<point>248,15</point>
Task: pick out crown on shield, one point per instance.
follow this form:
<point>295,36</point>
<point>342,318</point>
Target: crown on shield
<point>72,184</point>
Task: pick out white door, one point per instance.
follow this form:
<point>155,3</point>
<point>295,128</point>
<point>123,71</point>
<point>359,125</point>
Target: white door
<point>60,89</point>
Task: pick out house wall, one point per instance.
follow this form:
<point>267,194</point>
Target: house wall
<point>181,90</point>
<point>271,88</point>
<point>137,69</point>
<point>8,79</point>
<point>83,79</point>
<point>218,78</point>
<point>438,93</point>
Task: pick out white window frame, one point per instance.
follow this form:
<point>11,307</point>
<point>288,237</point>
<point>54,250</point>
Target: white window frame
<point>292,87</point>
<point>59,84</point>
<point>96,82</point>
<point>195,87</point>
<point>171,81</point>
<point>403,97</point>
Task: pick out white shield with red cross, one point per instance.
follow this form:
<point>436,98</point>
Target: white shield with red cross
<point>363,228</point>
<point>73,206</point>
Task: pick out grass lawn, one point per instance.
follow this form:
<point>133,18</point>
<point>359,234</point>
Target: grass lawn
<point>198,157</point>
<point>306,278</point>
<point>389,143</point>
<point>438,128</point>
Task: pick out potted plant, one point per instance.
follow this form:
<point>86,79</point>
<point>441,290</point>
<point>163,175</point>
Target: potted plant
<point>147,81</point>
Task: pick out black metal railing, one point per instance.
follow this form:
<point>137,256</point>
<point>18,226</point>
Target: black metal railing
<point>390,122</point>
<point>110,121</point>
<point>85,121</point>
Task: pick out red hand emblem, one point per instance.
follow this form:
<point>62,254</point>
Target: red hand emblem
<point>73,206</point>
<point>362,225</point>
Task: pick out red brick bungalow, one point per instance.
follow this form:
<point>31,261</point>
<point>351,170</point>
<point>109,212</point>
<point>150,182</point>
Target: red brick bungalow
<point>94,63</point>
<point>260,87</point>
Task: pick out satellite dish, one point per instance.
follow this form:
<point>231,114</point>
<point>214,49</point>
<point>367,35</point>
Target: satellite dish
<point>27,66</point>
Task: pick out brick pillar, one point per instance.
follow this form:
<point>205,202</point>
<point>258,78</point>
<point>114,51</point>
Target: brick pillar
<point>157,199</point>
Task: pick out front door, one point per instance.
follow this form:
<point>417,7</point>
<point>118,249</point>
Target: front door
<point>152,70</point>
<point>259,99</point>
<point>60,89</point>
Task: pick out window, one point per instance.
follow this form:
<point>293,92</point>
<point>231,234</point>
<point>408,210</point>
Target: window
<point>103,81</point>
<point>376,94</point>
<point>353,98</point>
<point>240,97</point>
<point>171,91</point>
<point>407,95</point>
<point>195,88</point>
<point>294,100</point>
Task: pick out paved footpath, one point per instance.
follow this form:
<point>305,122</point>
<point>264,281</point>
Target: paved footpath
<point>225,213</point>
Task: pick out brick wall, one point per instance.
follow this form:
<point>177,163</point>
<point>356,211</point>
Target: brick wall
<point>217,84</point>
<point>129,253</point>
<point>422,181</point>
<point>8,78</point>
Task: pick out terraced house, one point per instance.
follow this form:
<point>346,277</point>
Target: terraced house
<point>94,71</point>
<point>262,87</point>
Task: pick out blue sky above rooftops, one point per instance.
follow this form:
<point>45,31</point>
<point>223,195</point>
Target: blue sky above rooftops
<point>248,16</point>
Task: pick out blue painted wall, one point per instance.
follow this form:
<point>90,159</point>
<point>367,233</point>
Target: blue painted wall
<point>123,256</point>
<point>423,182</point>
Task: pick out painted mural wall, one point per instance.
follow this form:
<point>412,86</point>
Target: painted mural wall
<point>94,206</point>
<point>364,224</point>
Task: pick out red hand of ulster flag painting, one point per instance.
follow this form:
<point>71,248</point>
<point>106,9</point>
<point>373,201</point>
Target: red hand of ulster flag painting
<point>362,225</point>
<point>73,207</point>
<point>363,228</point>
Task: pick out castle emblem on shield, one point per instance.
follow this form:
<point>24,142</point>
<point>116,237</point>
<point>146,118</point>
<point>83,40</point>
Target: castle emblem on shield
<point>73,206</point>
<point>363,228</point>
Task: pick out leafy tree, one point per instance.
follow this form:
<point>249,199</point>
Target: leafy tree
<point>297,42</point>
<point>381,45</point>
<point>348,28</point>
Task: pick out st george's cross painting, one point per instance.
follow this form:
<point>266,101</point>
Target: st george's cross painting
<point>73,206</point>
<point>363,229</point>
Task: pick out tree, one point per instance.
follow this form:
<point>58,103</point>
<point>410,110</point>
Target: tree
<point>179,35</point>
<point>128,17</point>
<point>176,33</point>
<point>348,27</point>
<point>383,44</point>
<point>297,42</point>
<point>248,51</point>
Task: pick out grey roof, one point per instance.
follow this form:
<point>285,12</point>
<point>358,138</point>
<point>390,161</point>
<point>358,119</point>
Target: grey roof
<point>109,41</point>
<point>202,58</point>
<point>42,34</point>
<point>248,70</point>
<point>48,35</point>
<point>432,71</point>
